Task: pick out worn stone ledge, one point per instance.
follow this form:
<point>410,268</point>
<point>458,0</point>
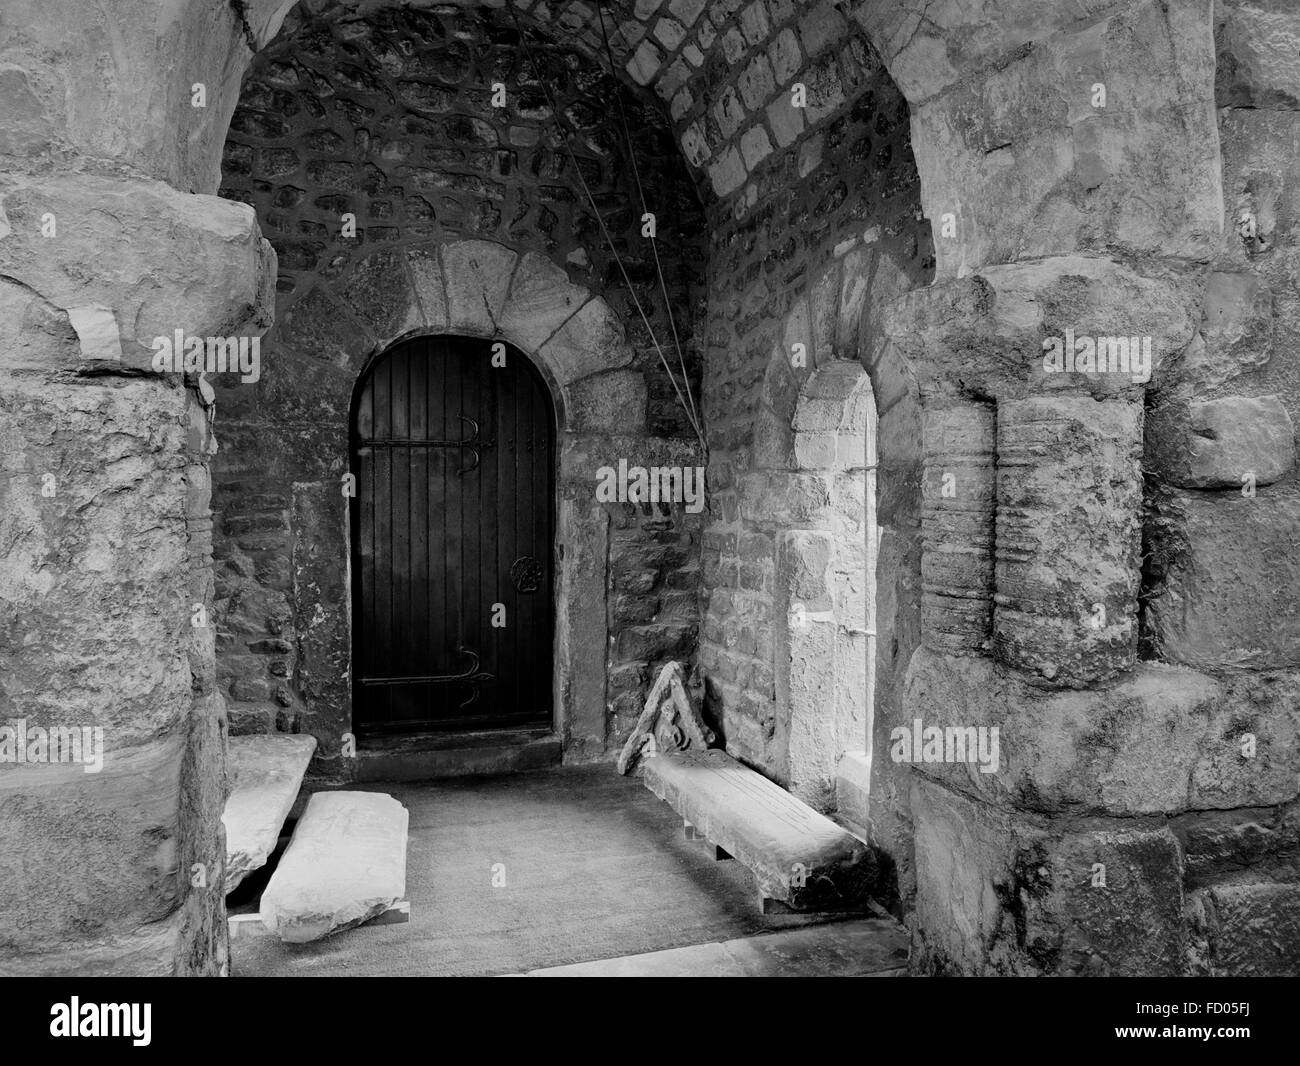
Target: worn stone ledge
<point>983,334</point>
<point>178,261</point>
<point>1161,741</point>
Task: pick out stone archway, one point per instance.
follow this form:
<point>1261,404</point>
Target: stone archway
<point>471,288</point>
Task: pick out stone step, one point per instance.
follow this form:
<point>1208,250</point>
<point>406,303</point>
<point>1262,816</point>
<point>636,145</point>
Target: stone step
<point>800,858</point>
<point>869,947</point>
<point>345,865</point>
<point>265,775</point>
<point>431,757</point>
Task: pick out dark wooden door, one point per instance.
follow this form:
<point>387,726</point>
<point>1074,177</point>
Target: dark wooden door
<point>453,534</point>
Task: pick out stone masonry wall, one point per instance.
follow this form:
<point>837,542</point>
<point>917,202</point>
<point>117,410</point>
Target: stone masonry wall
<point>109,237</point>
<point>1113,584</point>
<point>390,118</point>
<point>816,225</point>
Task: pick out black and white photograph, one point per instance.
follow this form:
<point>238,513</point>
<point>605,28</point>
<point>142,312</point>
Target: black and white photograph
<point>649,488</point>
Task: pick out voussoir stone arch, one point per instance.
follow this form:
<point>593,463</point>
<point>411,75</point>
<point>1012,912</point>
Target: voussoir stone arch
<point>483,289</point>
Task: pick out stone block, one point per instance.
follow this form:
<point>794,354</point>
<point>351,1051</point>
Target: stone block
<point>1068,475</point>
<point>645,63</point>
<point>825,89</point>
<point>379,294</point>
<point>823,25</point>
<point>610,402</point>
<point>426,277</point>
<point>929,50</point>
<point>998,893</point>
<point>754,23</point>
<point>114,864</point>
<point>729,112</point>
<point>476,275</point>
<point>1255,930</point>
<point>687,10</point>
<point>755,146</point>
<point>669,32</point>
<point>694,145</point>
<point>541,299</point>
<point>1258,62</point>
<point>1260,154</point>
<point>1226,570</point>
<point>776,501</point>
<point>324,637</point>
<point>853,789</point>
<point>727,172</point>
<point>345,865</point>
<point>318,328</point>
<point>785,120</point>
<point>756,83</point>
<point>1030,168</point>
<point>1216,444</point>
<point>1219,845</point>
<point>590,341</point>
<point>1238,329</point>
<point>786,58</point>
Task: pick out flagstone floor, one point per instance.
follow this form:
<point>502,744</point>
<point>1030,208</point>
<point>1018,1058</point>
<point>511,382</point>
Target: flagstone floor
<point>532,871</point>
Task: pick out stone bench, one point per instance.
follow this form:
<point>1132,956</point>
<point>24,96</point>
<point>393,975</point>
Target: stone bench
<point>265,775</point>
<point>345,865</point>
<point>802,860</point>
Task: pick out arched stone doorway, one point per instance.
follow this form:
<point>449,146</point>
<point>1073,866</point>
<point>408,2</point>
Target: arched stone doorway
<point>403,204</point>
<point>474,289</point>
<point>826,578</point>
<point>452,539</point>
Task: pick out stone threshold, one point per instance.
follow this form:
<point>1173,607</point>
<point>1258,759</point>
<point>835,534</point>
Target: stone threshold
<point>427,756</point>
<point>871,947</point>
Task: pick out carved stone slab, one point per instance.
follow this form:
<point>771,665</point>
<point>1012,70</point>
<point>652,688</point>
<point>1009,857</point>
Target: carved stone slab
<point>670,721</point>
<point>799,856</point>
<point>345,864</point>
<point>265,775</point>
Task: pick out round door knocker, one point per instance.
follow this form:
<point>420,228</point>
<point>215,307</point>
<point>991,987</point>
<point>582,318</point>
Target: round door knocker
<point>527,573</point>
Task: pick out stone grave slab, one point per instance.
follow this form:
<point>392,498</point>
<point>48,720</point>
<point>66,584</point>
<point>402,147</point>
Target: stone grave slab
<point>345,865</point>
<point>265,775</point>
<point>799,856</point>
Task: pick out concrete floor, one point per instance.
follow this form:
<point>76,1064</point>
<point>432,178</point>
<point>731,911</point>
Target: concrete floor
<point>594,868</point>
